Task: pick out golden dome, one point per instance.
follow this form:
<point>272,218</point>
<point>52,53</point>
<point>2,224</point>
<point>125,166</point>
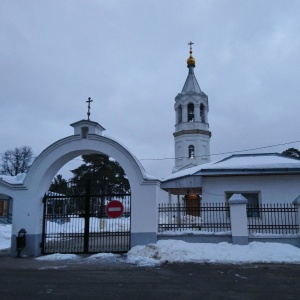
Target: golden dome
<point>191,60</point>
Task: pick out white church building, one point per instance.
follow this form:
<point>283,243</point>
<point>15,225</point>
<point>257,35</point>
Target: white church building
<point>250,194</point>
<point>263,178</point>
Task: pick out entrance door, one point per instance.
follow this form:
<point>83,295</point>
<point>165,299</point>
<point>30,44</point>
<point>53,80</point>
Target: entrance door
<point>75,220</point>
<point>192,203</point>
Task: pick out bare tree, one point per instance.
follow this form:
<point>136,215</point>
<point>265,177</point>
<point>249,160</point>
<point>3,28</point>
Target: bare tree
<point>16,161</point>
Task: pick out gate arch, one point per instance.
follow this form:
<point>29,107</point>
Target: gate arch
<point>49,162</point>
<point>28,212</point>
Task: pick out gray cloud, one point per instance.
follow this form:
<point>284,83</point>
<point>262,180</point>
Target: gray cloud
<point>130,57</point>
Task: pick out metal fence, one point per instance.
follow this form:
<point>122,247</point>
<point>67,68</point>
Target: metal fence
<point>206,218</point>
<point>80,224</point>
<point>272,218</point>
<point>269,219</point>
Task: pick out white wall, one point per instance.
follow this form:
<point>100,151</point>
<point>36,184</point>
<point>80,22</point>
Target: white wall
<point>163,196</point>
<point>272,188</point>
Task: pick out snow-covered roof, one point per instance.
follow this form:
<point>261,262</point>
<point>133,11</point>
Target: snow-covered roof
<point>185,172</point>
<point>257,161</point>
<point>18,179</point>
<point>243,164</point>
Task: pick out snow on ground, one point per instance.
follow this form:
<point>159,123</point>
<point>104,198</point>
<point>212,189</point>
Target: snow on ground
<point>178,251</point>
<point>5,236</point>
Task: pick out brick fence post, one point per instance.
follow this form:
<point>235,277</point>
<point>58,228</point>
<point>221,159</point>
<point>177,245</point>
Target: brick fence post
<point>238,219</point>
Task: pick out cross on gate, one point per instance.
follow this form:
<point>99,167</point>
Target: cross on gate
<point>89,107</point>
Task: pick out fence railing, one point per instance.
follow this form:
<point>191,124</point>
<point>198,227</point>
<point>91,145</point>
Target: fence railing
<point>207,217</point>
<point>272,219</point>
<point>264,219</point>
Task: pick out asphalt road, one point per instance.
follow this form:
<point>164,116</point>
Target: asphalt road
<point>28,278</point>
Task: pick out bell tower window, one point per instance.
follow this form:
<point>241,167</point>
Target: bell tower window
<point>202,114</point>
<point>190,112</point>
<point>191,152</point>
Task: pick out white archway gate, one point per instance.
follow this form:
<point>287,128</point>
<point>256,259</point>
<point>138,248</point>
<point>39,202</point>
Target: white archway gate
<point>87,138</point>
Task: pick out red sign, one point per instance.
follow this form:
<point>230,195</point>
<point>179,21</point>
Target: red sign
<point>114,209</point>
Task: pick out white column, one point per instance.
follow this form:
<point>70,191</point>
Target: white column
<point>296,202</point>
<point>170,216</point>
<point>205,114</point>
<point>184,113</point>
<point>238,218</point>
<point>197,112</point>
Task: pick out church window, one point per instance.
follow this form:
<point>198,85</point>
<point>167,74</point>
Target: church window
<point>179,114</point>
<point>202,116</point>
<point>191,151</point>
<point>3,208</point>
<point>190,112</point>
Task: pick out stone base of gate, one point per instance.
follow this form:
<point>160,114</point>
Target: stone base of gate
<point>291,240</point>
<point>143,238</point>
<point>33,243</point>
<point>214,239</point>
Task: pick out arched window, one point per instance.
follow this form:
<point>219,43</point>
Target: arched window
<point>179,112</point>
<point>190,112</point>
<point>191,151</point>
<point>202,114</point>
<point>84,132</point>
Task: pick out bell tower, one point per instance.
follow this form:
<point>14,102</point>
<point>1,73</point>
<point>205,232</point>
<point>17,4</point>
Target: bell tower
<point>192,135</point>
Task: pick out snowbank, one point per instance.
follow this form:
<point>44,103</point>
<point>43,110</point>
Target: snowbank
<point>5,236</point>
<point>179,251</point>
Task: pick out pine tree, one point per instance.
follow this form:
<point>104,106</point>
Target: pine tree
<point>106,175</point>
<point>292,152</point>
<point>57,183</point>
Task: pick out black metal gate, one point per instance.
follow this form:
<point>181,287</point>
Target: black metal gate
<point>75,220</point>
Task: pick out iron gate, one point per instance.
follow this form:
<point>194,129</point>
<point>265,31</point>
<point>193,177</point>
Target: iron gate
<point>75,220</point>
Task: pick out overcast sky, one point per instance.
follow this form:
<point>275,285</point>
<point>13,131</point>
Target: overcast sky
<point>130,57</point>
